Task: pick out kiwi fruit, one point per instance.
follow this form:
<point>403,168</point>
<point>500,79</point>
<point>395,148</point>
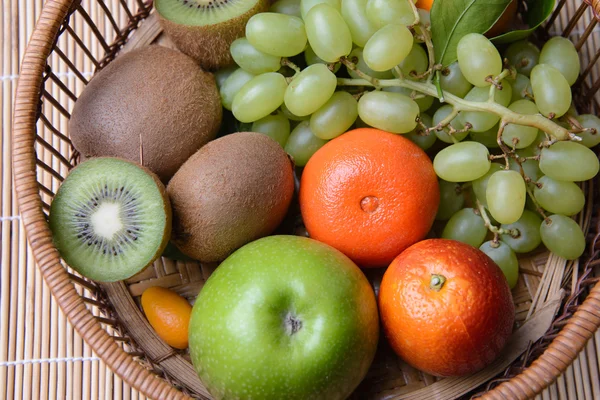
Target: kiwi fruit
<point>110,219</point>
<point>154,106</point>
<point>234,190</point>
<point>204,29</point>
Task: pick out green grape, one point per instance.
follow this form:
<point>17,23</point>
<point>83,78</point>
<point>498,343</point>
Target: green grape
<point>302,144</point>
<point>452,80</point>
<point>480,185</point>
<point>521,136</point>
<point>327,32</point>
<point>355,15</point>
<point>222,75</point>
<point>478,59</point>
<point>589,138</point>
<point>521,88</point>
<point>361,124</point>
<point>356,56</point>
<point>505,258</point>
<point>425,20</point>
<point>291,116</point>
<point>251,59</point>
<point>415,62</point>
<point>232,85</point>
<point>569,161</point>
<point>424,102</point>
<point>419,137</point>
<point>456,123</point>
<point>462,162</point>
<point>259,97</point>
<point>311,58</point>
<point>562,236</point>
<point>310,89</point>
<point>388,47</point>
<point>531,167</point>
<point>384,12</point>
<point>551,90</point>
<point>466,226</point>
<point>277,127</point>
<point>392,112</point>
<point>488,138</point>
<point>276,34</point>
<point>534,148</point>
<point>505,195</point>
<point>482,121</point>
<point>560,53</point>
<point>559,197</point>
<point>335,117</point>
<point>306,5</point>
<point>289,7</point>
<point>452,199</point>
<point>523,55</point>
<point>527,237</point>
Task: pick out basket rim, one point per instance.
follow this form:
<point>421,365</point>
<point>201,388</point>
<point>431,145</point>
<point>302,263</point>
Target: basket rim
<point>561,352</point>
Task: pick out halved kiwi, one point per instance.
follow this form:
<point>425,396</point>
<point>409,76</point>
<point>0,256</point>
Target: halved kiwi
<point>204,29</point>
<point>110,219</point>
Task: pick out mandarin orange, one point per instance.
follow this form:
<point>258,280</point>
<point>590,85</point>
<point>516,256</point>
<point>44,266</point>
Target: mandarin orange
<point>370,194</point>
<point>446,307</point>
<point>169,314</point>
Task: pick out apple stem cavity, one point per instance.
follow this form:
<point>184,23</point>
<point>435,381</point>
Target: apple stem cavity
<point>292,324</point>
<point>436,282</point>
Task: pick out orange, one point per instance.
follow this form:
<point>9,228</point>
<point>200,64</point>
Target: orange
<point>370,194</point>
<point>504,21</point>
<point>499,27</point>
<point>446,307</point>
<point>169,314</point>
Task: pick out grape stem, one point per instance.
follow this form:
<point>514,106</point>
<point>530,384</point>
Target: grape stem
<point>366,79</point>
<point>287,63</point>
<point>537,120</point>
<point>492,228</point>
<point>496,83</point>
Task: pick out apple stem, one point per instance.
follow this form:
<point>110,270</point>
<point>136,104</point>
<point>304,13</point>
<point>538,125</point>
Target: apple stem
<point>292,324</point>
<point>437,281</point>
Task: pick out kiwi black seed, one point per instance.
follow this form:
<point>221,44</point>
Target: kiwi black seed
<point>154,106</point>
<point>234,190</point>
<point>110,219</point>
<point>204,29</point>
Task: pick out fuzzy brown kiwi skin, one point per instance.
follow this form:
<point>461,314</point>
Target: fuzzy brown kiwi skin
<point>209,44</point>
<point>154,106</point>
<point>234,190</point>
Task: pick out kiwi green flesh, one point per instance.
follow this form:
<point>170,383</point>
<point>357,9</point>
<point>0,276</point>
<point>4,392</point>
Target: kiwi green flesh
<point>110,219</point>
<point>203,12</point>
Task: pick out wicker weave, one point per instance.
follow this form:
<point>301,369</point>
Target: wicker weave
<point>121,336</point>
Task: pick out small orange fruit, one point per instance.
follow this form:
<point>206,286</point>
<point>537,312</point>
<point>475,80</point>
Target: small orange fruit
<point>169,314</point>
<point>370,194</point>
<point>446,307</point>
<point>504,21</point>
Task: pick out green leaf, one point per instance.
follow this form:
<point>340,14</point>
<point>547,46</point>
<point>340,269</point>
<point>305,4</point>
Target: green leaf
<point>538,11</point>
<point>453,19</point>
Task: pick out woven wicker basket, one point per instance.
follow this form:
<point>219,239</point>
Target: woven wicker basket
<point>558,306</point>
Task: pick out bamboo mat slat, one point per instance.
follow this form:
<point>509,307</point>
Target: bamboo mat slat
<point>41,356</point>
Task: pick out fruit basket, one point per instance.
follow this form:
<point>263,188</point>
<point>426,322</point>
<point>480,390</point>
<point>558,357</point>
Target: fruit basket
<point>557,302</point>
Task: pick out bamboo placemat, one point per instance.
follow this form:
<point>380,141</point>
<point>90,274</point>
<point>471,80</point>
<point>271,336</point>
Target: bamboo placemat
<point>41,356</point>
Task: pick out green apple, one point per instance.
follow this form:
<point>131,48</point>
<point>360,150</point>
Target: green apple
<point>284,317</point>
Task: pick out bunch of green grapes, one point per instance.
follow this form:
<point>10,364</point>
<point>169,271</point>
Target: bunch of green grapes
<point>310,70</point>
<point>526,192</point>
<point>287,66</point>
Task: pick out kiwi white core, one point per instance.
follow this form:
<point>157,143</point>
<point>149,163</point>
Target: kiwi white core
<point>107,220</point>
<point>202,12</point>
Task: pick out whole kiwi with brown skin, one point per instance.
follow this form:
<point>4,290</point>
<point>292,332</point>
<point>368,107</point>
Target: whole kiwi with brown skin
<point>234,190</point>
<point>154,106</point>
<point>204,29</point>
